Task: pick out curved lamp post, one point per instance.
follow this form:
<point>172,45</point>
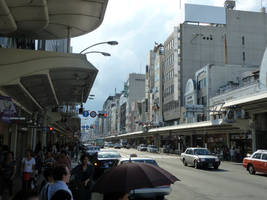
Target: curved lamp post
<point>108,42</point>
<point>101,52</point>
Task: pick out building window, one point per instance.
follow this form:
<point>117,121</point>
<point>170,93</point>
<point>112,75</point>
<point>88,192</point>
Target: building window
<point>202,83</point>
<point>244,56</point>
<point>243,40</point>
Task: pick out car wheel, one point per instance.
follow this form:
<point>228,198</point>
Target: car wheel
<point>251,169</point>
<point>216,167</point>
<point>196,164</point>
<point>185,164</point>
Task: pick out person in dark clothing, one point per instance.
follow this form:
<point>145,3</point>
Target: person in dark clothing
<point>83,179</point>
<point>8,172</point>
<point>61,195</point>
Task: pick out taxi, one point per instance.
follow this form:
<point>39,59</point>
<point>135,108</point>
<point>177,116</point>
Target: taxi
<point>257,162</point>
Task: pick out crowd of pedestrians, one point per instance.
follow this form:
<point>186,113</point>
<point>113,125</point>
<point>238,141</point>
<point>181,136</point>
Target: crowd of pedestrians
<point>45,174</point>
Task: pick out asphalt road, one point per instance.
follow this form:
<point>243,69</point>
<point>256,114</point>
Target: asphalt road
<point>231,181</point>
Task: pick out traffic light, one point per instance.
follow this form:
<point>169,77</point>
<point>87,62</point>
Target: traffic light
<point>102,114</point>
<point>51,130</point>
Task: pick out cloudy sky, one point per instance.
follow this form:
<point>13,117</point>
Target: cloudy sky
<point>136,25</point>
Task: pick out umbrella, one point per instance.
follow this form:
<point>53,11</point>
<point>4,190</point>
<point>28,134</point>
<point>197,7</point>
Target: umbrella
<point>129,176</point>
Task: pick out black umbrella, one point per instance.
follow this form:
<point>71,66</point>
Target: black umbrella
<point>131,176</point>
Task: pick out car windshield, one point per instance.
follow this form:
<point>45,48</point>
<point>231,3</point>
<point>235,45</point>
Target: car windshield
<point>108,155</point>
<point>202,152</point>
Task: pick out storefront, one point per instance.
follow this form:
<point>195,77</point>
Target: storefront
<point>241,143</point>
<point>216,143</point>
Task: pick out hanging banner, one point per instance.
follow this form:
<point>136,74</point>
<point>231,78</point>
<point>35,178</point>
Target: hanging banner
<point>7,109</point>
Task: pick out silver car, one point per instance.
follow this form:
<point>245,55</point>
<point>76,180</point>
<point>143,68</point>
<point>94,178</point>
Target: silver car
<point>199,158</point>
<point>152,149</point>
<point>142,147</point>
<point>150,193</point>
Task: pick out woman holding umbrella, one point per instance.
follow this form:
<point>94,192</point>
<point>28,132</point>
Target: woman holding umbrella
<point>82,176</point>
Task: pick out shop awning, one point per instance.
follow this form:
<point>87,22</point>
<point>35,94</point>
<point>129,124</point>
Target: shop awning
<point>206,127</point>
<point>254,103</point>
<point>40,79</point>
<point>43,19</point>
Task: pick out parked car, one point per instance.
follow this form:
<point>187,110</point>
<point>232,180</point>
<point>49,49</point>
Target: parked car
<point>152,149</point>
<point>128,146</point>
<point>147,193</point>
<point>117,146</point>
<point>199,158</point>
<point>257,162</point>
<point>106,159</point>
<point>142,147</point>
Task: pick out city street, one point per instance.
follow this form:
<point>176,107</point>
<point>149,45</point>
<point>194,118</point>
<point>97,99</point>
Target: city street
<point>230,181</point>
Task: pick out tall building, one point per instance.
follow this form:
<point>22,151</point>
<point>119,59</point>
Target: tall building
<point>155,84</point>
<point>171,92</point>
<point>150,79</point>
<point>135,86</point>
<point>237,38</point>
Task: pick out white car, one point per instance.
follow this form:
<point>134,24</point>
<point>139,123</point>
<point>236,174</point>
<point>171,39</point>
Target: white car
<point>152,149</point>
<point>147,193</point>
<point>142,147</point>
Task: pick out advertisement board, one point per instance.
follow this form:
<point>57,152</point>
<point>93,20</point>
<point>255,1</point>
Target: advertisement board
<point>205,14</point>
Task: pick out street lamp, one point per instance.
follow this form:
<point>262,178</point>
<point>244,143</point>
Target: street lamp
<point>108,42</point>
<point>101,52</point>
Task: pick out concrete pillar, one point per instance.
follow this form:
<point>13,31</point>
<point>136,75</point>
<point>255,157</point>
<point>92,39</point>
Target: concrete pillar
<point>253,132</point>
<point>157,141</point>
<point>44,131</point>
<point>228,140</point>
<point>14,138</point>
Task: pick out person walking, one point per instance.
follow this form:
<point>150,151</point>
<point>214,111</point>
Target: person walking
<point>8,173</point>
<point>61,176</point>
<point>232,153</point>
<point>63,159</point>
<point>49,161</point>
<point>28,171</point>
<point>83,178</point>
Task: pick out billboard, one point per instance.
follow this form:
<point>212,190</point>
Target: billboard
<point>205,14</point>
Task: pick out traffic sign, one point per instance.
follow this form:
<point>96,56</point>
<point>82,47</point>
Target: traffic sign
<point>86,113</point>
<point>93,114</point>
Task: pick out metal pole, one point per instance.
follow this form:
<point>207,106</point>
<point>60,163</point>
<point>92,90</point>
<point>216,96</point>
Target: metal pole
<point>68,40</point>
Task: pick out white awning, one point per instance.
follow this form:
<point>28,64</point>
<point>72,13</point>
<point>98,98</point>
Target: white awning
<point>41,79</point>
<point>43,19</point>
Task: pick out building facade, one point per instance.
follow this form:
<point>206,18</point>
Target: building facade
<point>207,83</point>
<point>240,41</point>
<point>171,92</point>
